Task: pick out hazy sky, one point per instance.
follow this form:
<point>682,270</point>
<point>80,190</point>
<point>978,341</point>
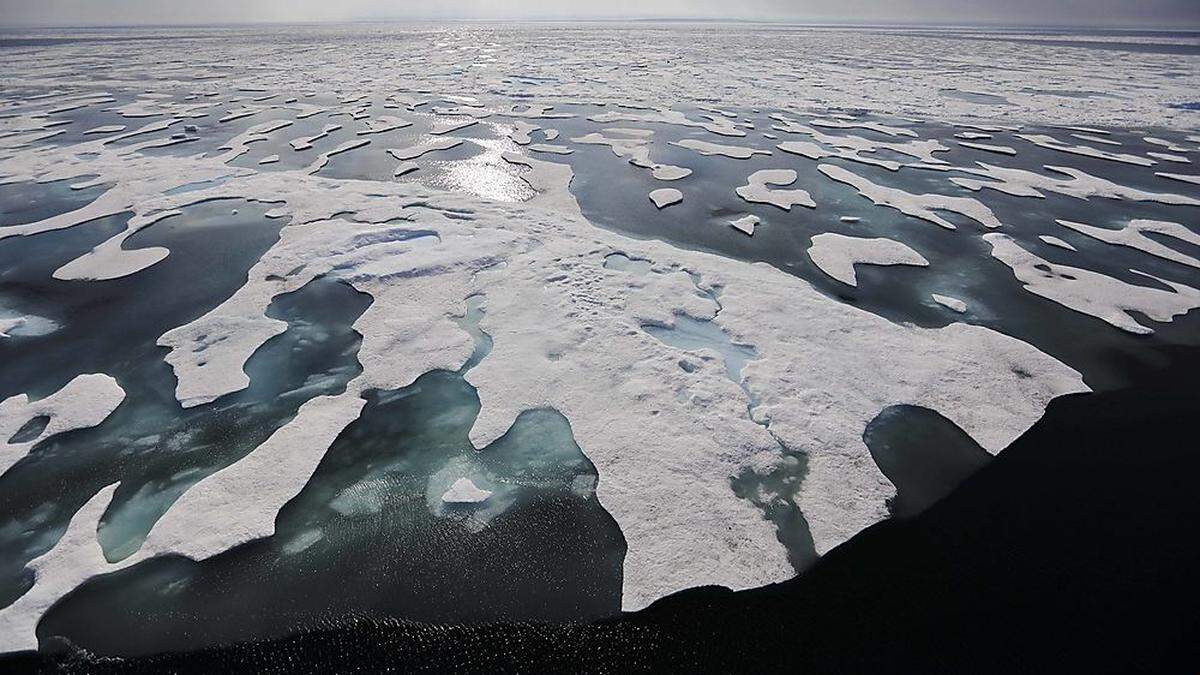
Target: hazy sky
<point>1167,13</point>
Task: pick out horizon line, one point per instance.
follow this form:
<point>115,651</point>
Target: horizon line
<point>779,21</point>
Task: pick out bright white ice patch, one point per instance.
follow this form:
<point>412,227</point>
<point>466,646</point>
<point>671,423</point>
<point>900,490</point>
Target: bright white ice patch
<point>837,254</point>
<point>464,491</point>
<point>758,190</point>
<point>917,206</point>
<point>1093,293</point>
<point>664,197</point>
<point>1133,236</point>
<point>83,402</point>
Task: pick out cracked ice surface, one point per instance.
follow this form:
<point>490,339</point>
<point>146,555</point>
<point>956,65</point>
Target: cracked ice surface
<point>801,67</point>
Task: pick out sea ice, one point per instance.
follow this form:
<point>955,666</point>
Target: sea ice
<point>383,125</point>
<point>306,142</point>
<point>861,124</point>
<point>1050,143</point>
<point>463,491</point>
<point>716,124</point>
<point>917,206</point>
<point>1073,183</point>
<point>1173,147</point>
<point>1133,236</point>
<point>74,559</point>
<point>1178,159</point>
<point>83,402</point>
<point>745,224</point>
<point>447,127</point>
<point>664,197</point>
<point>551,148</point>
<point>758,191</point>
<point>1183,178</point>
<point>110,260</point>
<point>837,254</point>
<point>1093,293</point>
<point>953,304</point>
<point>106,129</point>
<point>823,370</point>
<point>708,149</point>
<point>1055,241</point>
<point>634,144</point>
<point>323,158</point>
<point>814,151</point>
<point>988,147</point>
<point>415,151</point>
<point>520,132</point>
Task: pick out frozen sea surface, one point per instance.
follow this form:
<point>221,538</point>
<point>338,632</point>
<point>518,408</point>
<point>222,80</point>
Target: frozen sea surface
<point>428,251</point>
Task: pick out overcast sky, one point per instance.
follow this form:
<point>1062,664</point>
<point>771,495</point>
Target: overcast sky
<point>1132,13</point>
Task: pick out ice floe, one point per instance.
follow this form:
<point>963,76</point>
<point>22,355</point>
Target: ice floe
<point>306,142</point>
<point>106,129</point>
<point>852,147</point>
<point>447,127</point>
<point>716,124</point>
<point>988,147</point>
<point>1092,293</point>
<point>664,197</point>
<point>708,149</point>
<point>1050,143</point>
<point>404,168</point>
<point>745,224</point>
<point>435,145</point>
<point>240,144</point>
<point>1068,181</point>
<point>862,124</point>
<point>75,557</point>
<point>837,254</point>
<point>520,132</point>
<point>232,506</point>
<point>110,260</point>
<point>813,151</point>
<point>1055,241</point>
<point>1183,178</point>
<point>1133,236</point>
<point>557,277</point>
<point>24,325</point>
<point>551,148</point>
<point>1173,147</point>
<point>1096,139</point>
<point>952,304</point>
<point>384,124</point>
<point>1166,157</point>
<point>83,402</point>
<point>918,206</point>
<point>634,144</point>
<point>323,158</point>
<point>757,190</point>
<point>464,491</point>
